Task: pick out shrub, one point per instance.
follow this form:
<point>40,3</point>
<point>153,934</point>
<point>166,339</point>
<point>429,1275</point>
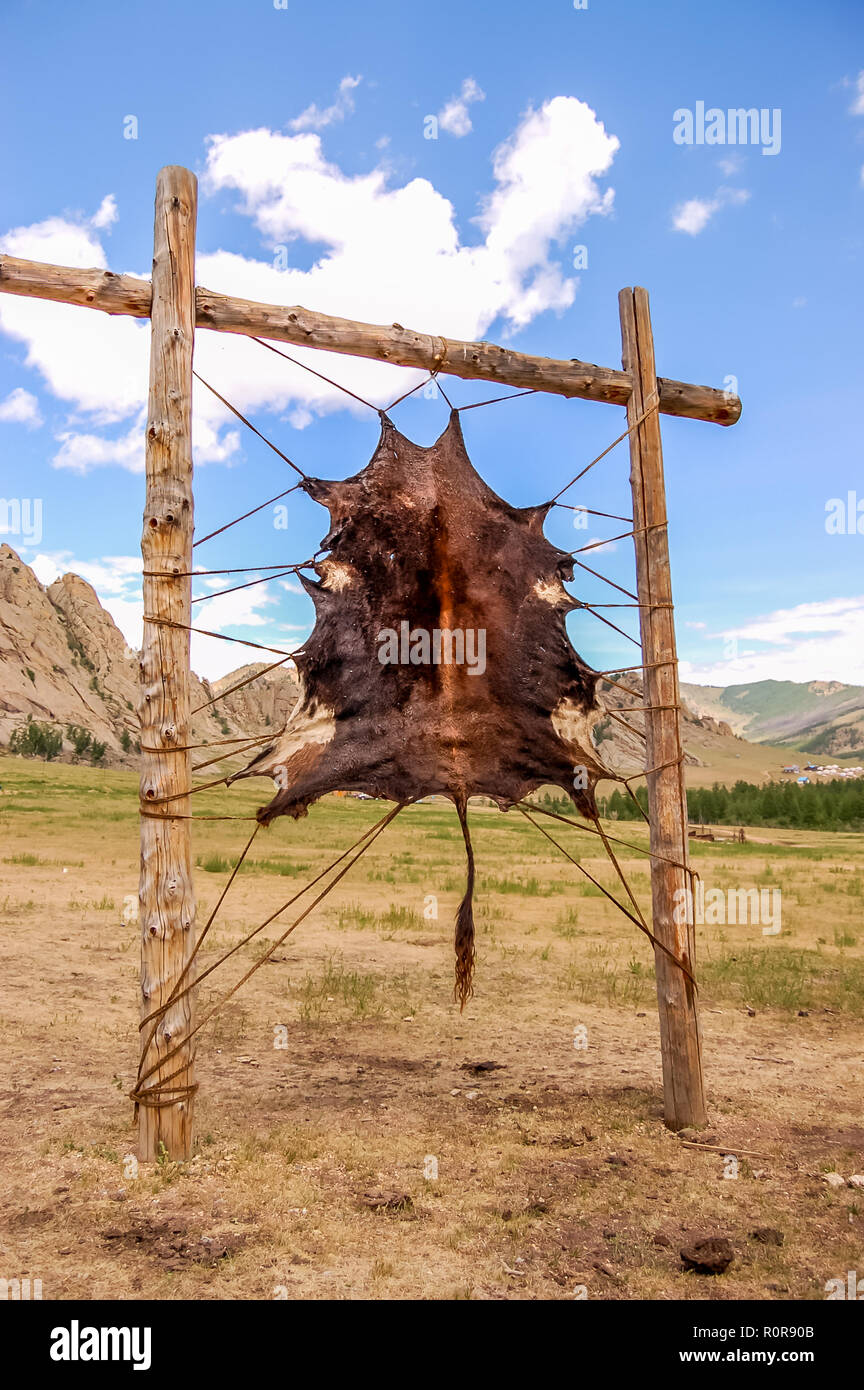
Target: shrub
<point>35,740</point>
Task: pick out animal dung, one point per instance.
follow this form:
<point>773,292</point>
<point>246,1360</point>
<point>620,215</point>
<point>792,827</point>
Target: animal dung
<point>440,661</point>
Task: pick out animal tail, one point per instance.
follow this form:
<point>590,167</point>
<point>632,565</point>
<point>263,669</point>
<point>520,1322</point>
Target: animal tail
<point>464,941</point>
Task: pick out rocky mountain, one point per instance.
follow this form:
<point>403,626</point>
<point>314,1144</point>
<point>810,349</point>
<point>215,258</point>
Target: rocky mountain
<point>65,667</point>
<point>817,717</point>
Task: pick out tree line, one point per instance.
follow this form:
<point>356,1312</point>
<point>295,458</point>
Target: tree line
<point>834,805</point>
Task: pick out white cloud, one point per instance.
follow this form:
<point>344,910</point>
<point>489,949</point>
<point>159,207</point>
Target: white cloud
<point>314,118</point>
<point>20,408</point>
<point>454,117</point>
<point>857,107</point>
<point>813,641</point>
<point>390,252</point>
<point>117,581</point>
<point>106,214</point>
<point>694,215</point>
<point>697,627</point>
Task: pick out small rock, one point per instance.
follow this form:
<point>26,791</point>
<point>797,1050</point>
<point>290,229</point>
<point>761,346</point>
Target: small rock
<point>697,1136</point>
<point>751,1013</point>
<point>537,1208</point>
<point>834,1179</point>
<point>388,1201</point>
<point>618,1161</point>
<point>471,1095</point>
<point>767,1235</point>
<point>663,1240</point>
<point>710,1255</point>
<point>803,1013</point>
<point>478,1067</point>
<point>857,1180</point>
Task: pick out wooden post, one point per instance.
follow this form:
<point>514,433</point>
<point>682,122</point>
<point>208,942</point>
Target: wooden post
<point>166,891</point>
<point>680,1039</point>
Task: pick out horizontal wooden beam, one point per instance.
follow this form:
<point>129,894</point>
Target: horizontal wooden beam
<point>94,289</point>
<point>402,347</point>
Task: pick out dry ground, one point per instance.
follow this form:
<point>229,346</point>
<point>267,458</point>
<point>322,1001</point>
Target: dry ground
<point>555,1172</point>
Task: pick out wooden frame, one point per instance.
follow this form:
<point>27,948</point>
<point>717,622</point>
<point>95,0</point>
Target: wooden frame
<point>175,308</point>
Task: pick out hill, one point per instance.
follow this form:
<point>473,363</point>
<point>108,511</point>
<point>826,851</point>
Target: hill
<point>815,717</point>
<point>65,666</point>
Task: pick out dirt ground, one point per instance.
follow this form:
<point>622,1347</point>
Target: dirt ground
<point>352,1140</point>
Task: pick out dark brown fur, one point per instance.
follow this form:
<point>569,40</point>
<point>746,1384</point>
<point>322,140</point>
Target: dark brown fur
<point>418,536</point>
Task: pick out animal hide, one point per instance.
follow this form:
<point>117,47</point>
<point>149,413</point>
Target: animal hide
<point>439,661</point>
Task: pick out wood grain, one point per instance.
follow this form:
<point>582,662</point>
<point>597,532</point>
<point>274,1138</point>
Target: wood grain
<point>166,891</point>
<point>405,347</point>
<point>680,1040</point>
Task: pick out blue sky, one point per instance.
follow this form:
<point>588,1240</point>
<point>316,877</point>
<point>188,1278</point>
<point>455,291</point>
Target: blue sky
<point>307,126</point>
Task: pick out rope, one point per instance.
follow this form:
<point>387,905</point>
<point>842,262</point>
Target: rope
<point>578,825</point>
<point>589,511</point>
<point>610,582</point>
<point>671,762</point>
<point>190,747</point>
<point>223,637</point>
<point>640,531</point>
<point>248,423</point>
<point>242,569</point>
<point>176,815</point>
<point>320,375</point>
<point>444,394</point>
<point>235,752</point>
<point>153,1095</point>
<point>652,405</point>
<point>609,623</point>
<point>251,935</point>
<point>640,924</point>
<point>293,569</point>
<point>618,686</point>
<point>514,396</point>
<point>638,732</point>
<point>239,686</point>
<point>172,998</point>
<point>406,394</point>
<point>229,524</point>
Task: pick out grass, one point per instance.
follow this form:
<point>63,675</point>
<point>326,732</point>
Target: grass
<point>370,1078</point>
<point>786,979</point>
<point>353,994</point>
